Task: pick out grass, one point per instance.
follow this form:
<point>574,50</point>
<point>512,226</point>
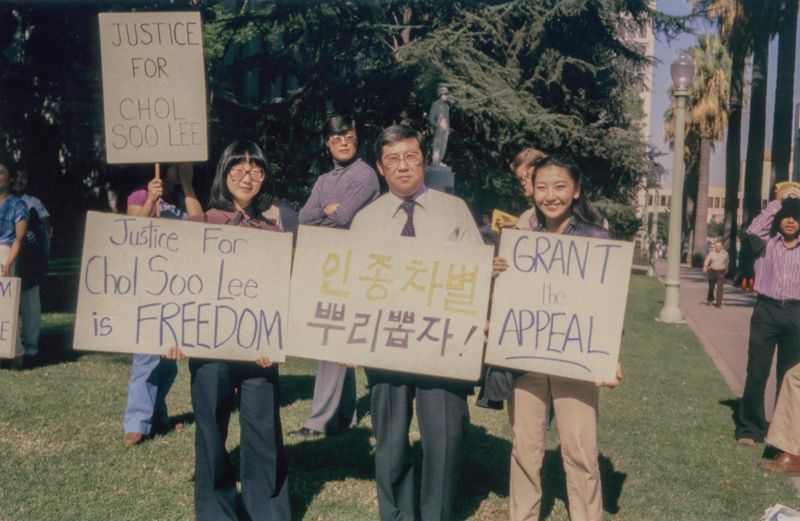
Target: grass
<point>666,439</point>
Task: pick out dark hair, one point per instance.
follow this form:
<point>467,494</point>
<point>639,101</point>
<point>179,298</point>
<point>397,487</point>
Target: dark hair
<point>238,152</point>
<point>525,157</point>
<point>338,124</point>
<point>397,133</point>
<point>581,207</point>
<point>789,208</point>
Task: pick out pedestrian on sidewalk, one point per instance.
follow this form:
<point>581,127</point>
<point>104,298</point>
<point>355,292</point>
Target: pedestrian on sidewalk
<point>716,265</point>
<point>776,315</point>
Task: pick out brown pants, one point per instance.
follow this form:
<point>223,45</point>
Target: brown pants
<point>575,404</point>
<point>716,279</point>
<point>784,430</point>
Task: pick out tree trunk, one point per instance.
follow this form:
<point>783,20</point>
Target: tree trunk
<point>733,154</point>
<point>754,167</point>
<point>784,90</point>
<point>701,208</point>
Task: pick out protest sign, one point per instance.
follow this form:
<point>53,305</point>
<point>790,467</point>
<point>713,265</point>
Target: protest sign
<point>215,291</point>
<point>560,306</point>
<point>154,87</point>
<point>396,303</point>
<point>9,315</point>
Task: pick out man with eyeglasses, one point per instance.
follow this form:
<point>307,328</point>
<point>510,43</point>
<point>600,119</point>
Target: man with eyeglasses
<point>335,198</point>
<point>411,209</point>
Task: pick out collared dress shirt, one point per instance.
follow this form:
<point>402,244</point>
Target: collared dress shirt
<point>777,267</point>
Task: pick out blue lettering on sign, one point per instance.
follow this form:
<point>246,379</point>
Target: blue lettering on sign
<point>5,288</point>
<point>560,255</point>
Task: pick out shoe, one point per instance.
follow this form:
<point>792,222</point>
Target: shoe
<point>717,306</point>
<point>305,434</point>
<point>747,442</point>
<point>785,463</point>
<point>18,363</point>
<point>132,438</point>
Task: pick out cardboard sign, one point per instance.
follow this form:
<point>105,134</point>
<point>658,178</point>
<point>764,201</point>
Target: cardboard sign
<point>401,303</point>
<point>215,291</point>
<point>10,289</point>
<point>154,87</point>
<point>501,219</point>
<point>560,306</point>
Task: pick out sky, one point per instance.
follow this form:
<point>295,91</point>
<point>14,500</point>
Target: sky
<point>665,54</point>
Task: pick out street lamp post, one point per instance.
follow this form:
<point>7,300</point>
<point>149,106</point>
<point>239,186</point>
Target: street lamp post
<point>651,270</point>
<point>682,71</point>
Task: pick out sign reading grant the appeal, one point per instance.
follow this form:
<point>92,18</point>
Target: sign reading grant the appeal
<point>9,315</point>
<point>560,306</point>
<point>154,87</point>
<point>399,304</point>
<point>215,291</point>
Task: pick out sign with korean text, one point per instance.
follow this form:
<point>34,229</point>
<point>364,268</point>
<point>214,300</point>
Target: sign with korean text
<point>399,303</point>
<point>215,291</point>
<point>9,315</point>
<point>560,306</point>
<point>154,87</point>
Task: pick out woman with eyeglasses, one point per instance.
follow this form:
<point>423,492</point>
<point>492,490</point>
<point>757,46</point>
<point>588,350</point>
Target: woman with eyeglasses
<point>238,197</point>
<point>522,168</point>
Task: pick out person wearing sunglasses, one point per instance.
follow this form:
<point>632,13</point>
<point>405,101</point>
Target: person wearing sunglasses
<point>335,198</point>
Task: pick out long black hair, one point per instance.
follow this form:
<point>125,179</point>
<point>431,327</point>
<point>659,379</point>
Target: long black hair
<point>581,207</point>
<point>235,153</point>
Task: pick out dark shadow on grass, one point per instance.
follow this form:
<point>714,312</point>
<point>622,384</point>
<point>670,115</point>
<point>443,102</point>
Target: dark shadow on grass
<point>55,347</point>
<point>484,470</point>
<point>554,485</point>
<point>296,387</point>
<point>734,404</point>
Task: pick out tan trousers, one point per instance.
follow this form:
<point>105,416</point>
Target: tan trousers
<point>575,405</point>
<point>784,430</point>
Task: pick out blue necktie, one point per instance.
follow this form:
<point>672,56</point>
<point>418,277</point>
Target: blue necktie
<point>408,229</point>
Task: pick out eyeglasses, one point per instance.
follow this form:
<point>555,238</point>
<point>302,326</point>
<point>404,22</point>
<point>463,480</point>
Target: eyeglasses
<point>238,173</point>
<point>521,179</point>
<point>340,140</point>
<point>392,161</point>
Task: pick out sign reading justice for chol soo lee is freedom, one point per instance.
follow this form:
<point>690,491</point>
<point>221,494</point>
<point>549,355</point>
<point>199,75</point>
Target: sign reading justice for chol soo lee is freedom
<point>396,303</point>
<point>154,96</point>
<point>560,306</point>
<point>215,291</point>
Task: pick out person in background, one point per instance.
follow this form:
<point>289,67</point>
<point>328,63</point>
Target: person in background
<point>411,209</point>
<point>522,168</point>
<point>33,264</point>
<point>773,235</point>
<point>13,226</point>
<point>561,207</point>
<point>335,198</point>
<point>716,265</point>
<point>239,197</point>
<point>172,197</point>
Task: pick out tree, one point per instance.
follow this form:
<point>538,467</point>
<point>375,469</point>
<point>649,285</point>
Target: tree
<point>784,91</point>
<point>729,15</point>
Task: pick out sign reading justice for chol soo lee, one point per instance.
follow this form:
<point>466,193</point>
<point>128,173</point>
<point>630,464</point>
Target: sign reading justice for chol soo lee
<point>396,303</point>
<point>9,315</point>
<point>560,306</point>
<point>215,291</point>
<point>154,96</point>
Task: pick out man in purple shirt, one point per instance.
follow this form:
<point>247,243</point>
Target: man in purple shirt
<point>335,198</point>
<point>776,315</point>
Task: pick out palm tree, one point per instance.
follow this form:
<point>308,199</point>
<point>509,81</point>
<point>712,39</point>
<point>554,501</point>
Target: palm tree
<point>706,120</point>
<point>784,90</point>
<point>729,15</point>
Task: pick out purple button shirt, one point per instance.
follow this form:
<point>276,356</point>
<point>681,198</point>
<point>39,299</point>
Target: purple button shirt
<point>353,186</point>
<point>777,267</point>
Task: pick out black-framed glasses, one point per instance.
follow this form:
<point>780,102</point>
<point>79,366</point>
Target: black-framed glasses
<point>521,179</point>
<point>392,161</point>
<point>340,139</point>
<point>256,174</point>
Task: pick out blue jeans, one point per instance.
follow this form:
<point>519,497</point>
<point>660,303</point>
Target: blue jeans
<point>151,379</point>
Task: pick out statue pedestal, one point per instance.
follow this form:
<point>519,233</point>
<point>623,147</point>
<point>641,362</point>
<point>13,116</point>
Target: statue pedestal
<point>440,177</point>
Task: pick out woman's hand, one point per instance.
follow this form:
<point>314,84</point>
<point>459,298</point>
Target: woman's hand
<point>5,270</point>
<point>616,381</point>
<point>499,265</point>
<point>155,189</point>
<point>175,353</point>
<point>263,362</point>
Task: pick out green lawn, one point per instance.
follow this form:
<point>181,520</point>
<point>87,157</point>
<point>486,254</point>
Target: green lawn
<point>666,438</point>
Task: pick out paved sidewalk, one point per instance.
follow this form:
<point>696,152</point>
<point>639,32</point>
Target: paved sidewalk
<point>722,331</point>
